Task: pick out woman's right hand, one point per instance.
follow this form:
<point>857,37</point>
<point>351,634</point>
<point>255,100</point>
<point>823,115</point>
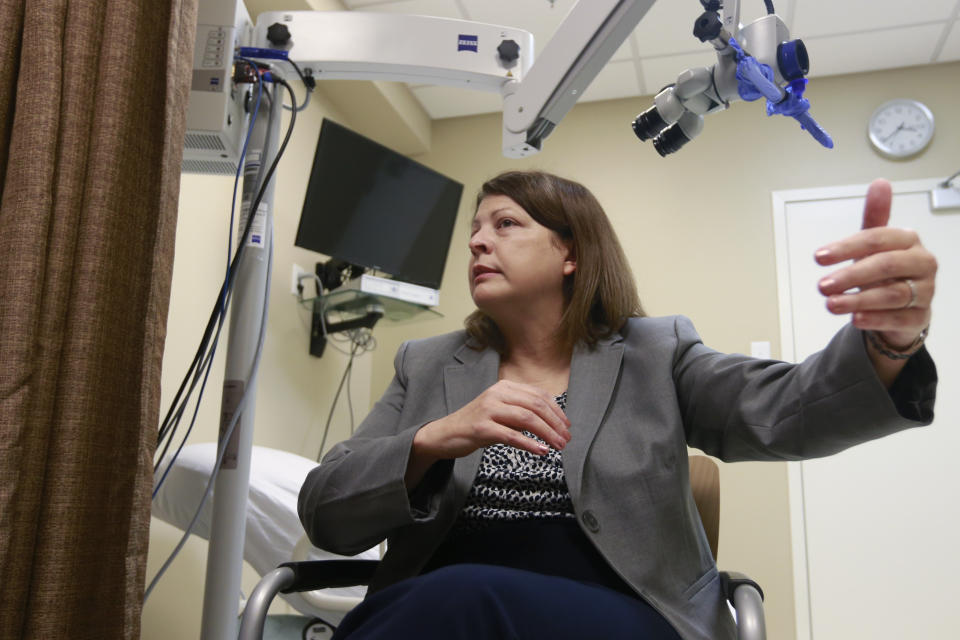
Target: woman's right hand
<point>500,414</point>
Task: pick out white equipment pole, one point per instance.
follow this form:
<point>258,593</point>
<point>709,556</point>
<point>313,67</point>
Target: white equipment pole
<point>225,556</point>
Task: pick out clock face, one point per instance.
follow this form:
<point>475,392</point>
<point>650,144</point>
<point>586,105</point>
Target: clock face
<point>901,128</point>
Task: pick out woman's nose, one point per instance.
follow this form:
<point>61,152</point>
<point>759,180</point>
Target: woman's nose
<point>479,243</point>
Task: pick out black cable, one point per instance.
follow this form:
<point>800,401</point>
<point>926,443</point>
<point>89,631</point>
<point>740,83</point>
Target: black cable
<point>216,312</point>
<point>226,289</point>
<point>361,341</point>
<point>229,282</point>
<point>769,5</point>
<point>217,317</point>
<point>946,183</point>
<point>218,309</point>
<point>326,428</point>
<point>259,350</point>
<point>308,80</point>
<point>203,370</point>
<point>353,351</point>
<point>206,368</point>
<point>229,431</point>
<point>256,203</point>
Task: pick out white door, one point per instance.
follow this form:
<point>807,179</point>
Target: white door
<point>876,529</point>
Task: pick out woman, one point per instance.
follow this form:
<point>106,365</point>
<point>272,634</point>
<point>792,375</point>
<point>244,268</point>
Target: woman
<point>531,472</point>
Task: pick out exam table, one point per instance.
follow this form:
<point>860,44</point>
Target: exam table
<point>274,534</point>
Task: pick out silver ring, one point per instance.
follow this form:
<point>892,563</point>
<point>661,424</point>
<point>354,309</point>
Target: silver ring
<point>913,294</point>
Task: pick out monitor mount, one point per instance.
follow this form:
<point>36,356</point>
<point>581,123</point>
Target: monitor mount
<point>330,276</point>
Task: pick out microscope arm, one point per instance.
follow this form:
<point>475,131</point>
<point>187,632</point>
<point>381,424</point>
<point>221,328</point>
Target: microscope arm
<point>583,44</point>
<point>353,45</point>
<point>375,46</point>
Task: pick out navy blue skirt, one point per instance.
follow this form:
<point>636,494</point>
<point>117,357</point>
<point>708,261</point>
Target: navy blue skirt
<point>479,602</point>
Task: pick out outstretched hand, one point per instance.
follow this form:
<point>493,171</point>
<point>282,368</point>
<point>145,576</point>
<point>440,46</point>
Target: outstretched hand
<point>890,284</point>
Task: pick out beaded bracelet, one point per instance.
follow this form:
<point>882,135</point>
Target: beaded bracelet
<point>896,354</point>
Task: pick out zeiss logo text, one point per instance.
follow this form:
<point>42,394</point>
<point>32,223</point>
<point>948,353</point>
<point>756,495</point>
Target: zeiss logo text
<point>467,43</point>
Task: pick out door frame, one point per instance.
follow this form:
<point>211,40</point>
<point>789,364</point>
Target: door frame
<point>780,199</point>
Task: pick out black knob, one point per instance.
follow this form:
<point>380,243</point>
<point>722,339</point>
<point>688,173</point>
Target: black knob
<point>278,34</point>
<point>708,26</point>
<point>711,5</point>
<point>508,50</point>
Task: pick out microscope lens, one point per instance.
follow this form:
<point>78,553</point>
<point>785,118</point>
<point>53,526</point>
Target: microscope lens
<point>648,124</point>
<point>670,140</point>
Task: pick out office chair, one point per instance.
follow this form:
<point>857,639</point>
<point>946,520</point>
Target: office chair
<point>744,594</point>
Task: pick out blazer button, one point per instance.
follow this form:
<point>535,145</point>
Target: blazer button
<point>590,521</point>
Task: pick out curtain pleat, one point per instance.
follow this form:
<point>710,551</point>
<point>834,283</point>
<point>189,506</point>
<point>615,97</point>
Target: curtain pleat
<point>93,112</point>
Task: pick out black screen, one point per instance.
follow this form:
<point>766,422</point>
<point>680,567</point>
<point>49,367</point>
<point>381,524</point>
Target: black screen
<point>373,207</point>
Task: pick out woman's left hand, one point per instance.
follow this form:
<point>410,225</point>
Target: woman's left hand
<point>889,286</point>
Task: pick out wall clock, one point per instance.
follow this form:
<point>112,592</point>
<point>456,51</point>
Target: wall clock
<point>901,128</point>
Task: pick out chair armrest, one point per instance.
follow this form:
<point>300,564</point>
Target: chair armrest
<point>326,574</point>
<point>255,613</point>
<point>292,577</point>
<point>746,596</point>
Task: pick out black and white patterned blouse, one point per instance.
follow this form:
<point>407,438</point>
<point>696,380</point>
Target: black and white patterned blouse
<point>513,484</point>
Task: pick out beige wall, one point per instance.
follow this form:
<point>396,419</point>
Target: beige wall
<point>697,228</point>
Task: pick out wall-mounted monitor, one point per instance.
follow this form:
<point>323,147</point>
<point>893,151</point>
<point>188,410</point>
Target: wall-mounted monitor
<point>371,206</point>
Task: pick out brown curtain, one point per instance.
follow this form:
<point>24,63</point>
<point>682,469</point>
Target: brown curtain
<point>92,110</point>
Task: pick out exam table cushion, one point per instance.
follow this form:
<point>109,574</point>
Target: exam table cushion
<point>273,527</point>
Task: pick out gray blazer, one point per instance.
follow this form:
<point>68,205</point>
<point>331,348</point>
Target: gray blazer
<point>635,401</point>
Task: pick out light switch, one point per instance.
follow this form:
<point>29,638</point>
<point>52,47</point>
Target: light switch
<point>760,349</point>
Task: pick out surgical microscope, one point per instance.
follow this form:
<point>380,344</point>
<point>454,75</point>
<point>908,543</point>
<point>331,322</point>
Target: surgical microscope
<point>755,61</point>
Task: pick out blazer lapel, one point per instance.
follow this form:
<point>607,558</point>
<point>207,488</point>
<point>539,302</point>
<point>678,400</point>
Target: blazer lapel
<point>462,382</point>
<point>593,375</point>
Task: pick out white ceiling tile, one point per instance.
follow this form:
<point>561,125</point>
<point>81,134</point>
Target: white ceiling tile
<point>827,17</point>
<point>868,51</point>
<point>616,80</point>
<point>625,52</point>
<point>750,10</point>
<point>536,16</point>
<point>439,8</point>
<point>450,102</point>
<point>951,48</point>
<point>661,71</point>
<point>668,28</point>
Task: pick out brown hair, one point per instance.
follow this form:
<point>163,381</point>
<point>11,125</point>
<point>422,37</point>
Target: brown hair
<point>600,294</point>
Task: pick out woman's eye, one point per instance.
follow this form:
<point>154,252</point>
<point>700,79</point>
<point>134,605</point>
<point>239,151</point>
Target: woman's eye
<point>506,222</point>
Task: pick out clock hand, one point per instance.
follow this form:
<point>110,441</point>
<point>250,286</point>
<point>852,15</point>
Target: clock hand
<point>895,132</point>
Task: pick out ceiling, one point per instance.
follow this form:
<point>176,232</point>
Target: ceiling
<point>842,36</point>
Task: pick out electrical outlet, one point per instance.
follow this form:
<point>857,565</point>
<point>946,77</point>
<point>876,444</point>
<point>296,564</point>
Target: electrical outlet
<point>295,279</point>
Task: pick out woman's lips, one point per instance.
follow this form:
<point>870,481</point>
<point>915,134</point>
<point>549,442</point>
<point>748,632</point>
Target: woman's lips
<point>481,273</point>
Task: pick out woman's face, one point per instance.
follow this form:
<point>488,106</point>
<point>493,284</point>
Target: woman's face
<point>514,260</point>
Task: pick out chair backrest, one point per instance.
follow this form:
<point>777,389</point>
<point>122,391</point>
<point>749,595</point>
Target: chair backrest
<point>705,485</point>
